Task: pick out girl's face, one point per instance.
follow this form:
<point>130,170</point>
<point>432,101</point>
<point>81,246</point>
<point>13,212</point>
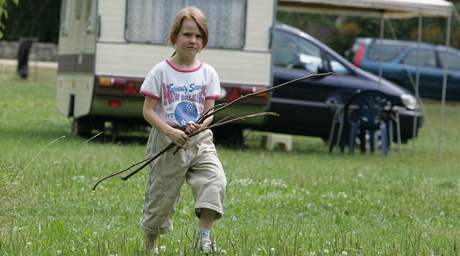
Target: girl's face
<point>189,41</point>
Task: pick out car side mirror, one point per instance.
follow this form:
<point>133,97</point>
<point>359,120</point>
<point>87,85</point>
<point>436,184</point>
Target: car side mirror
<point>322,69</point>
<point>297,63</point>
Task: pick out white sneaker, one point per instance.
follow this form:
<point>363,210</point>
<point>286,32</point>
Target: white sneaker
<point>204,245</point>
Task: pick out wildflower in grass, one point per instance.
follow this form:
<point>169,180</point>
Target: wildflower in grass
<point>275,183</point>
<point>344,253</point>
<point>79,178</point>
<point>343,195</point>
<point>244,182</point>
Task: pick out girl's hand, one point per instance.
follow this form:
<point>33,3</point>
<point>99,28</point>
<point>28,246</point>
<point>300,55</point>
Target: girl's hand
<point>177,136</point>
<point>192,127</point>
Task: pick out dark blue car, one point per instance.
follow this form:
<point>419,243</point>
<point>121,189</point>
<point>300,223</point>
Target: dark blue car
<point>308,107</point>
<point>397,60</point>
<point>305,107</point>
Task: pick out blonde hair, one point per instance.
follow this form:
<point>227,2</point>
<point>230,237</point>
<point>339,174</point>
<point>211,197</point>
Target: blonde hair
<point>190,12</point>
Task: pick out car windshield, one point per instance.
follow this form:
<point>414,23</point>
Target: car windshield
<point>292,52</point>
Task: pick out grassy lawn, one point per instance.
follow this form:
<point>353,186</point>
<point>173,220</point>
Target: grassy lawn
<point>304,202</point>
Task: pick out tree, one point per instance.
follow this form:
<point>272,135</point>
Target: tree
<point>38,19</point>
<point>4,14</point>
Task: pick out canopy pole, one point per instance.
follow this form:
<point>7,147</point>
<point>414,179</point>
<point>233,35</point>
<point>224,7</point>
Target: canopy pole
<point>456,14</point>
<point>417,78</point>
<point>444,86</point>
<point>382,33</point>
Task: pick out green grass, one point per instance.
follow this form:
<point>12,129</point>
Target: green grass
<point>304,202</point>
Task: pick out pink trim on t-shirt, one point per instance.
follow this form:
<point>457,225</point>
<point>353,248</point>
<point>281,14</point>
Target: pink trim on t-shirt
<point>184,70</point>
<point>212,97</point>
<point>151,95</point>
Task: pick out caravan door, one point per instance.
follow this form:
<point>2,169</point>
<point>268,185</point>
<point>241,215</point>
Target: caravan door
<point>76,53</point>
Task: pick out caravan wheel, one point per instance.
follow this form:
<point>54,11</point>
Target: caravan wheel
<point>82,127</point>
<point>229,135</point>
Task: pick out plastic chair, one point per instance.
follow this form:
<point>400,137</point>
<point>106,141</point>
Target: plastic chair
<point>364,113</point>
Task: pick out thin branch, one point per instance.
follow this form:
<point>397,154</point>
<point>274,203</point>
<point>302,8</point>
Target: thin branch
<point>42,149</point>
<point>124,170</point>
<point>223,119</point>
<point>90,139</point>
<point>219,107</point>
<point>210,112</point>
<point>149,160</point>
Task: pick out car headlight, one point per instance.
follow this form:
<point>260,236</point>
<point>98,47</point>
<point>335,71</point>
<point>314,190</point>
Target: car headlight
<point>409,101</point>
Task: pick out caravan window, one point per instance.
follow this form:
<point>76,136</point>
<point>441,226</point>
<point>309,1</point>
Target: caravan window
<point>148,22</point>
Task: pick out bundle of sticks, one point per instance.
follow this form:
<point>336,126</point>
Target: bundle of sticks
<point>224,121</point>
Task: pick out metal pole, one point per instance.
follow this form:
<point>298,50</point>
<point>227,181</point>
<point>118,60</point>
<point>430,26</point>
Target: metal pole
<point>444,86</point>
<point>382,33</point>
<point>417,78</point>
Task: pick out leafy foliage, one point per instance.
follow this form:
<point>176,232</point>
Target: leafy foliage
<point>32,19</point>
<point>4,14</point>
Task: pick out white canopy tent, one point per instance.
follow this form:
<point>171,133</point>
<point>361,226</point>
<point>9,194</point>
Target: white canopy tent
<point>393,9</point>
<point>389,8</point>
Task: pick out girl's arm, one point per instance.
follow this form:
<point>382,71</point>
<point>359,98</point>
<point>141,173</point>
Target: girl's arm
<point>192,127</point>
<point>208,104</point>
<point>176,135</point>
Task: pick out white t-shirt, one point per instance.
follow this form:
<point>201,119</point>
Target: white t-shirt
<point>181,92</point>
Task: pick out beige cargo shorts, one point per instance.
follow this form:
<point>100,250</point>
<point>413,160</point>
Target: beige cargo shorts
<point>197,164</point>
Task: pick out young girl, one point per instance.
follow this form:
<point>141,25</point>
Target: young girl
<point>177,91</point>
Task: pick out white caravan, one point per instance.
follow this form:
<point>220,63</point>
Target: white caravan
<point>106,47</point>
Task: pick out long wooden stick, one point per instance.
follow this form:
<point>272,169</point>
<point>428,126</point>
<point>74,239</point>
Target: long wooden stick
<point>149,160</point>
<point>219,108</point>
<point>207,114</point>
<point>193,134</point>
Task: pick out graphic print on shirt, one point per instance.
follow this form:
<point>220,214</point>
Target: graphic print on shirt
<point>182,104</point>
<point>185,112</point>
